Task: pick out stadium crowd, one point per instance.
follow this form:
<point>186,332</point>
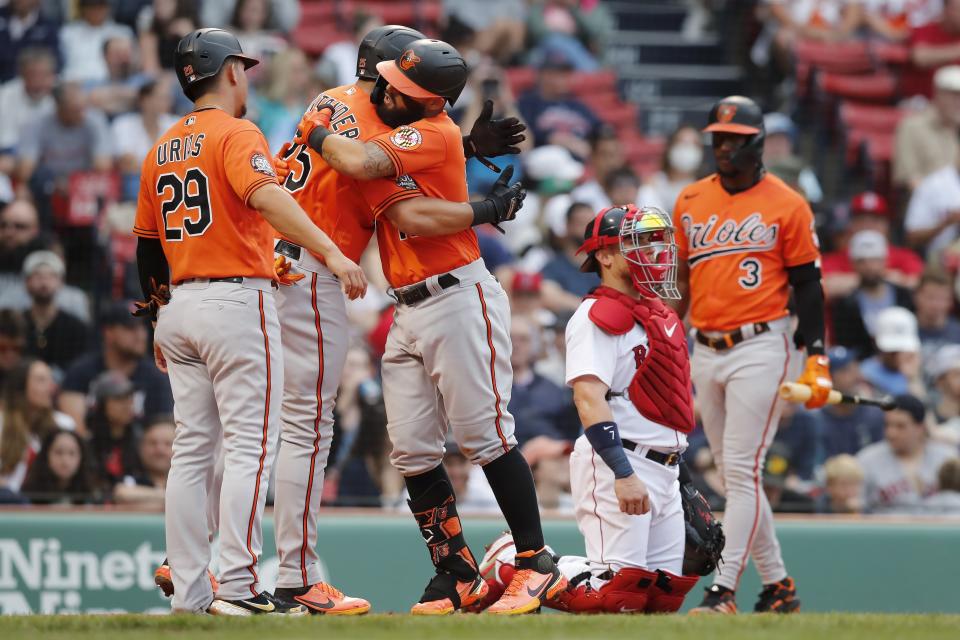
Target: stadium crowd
<point>86,87</point>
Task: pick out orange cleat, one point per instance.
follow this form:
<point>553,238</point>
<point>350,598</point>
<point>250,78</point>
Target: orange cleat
<point>716,600</point>
<point>163,579</point>
<point>536,582</point>
<point>323,599</point>
<point>468,593</point>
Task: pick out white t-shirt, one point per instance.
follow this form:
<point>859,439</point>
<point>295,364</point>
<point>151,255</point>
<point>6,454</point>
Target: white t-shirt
<point>935,197</point>
<point>613,360</point>
<point>130,136</point>
<point>19,110</point>
<point>82,47</point>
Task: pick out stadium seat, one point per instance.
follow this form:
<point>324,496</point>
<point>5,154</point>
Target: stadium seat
<point>520,79</point>
<point>879,87</point>
<point>890,53</point>
<point>870,117</point>
<point>594,82</point>
<point>838,57</point>
<point>313,39</point>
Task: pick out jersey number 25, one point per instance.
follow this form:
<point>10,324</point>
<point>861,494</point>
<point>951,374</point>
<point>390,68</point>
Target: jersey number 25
<point>191,192</point>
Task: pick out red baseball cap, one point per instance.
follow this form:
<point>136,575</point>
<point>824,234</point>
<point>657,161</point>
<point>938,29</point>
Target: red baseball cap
<point>869,203</point>
<point>527,282</point>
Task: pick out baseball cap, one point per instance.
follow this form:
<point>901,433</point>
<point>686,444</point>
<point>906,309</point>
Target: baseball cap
<point>897,331</point>
<point>840,357</point>
<point>776,122</point>
<point>527,282</point>
<point>867,244</point>
<point>947,78</point>
<point>946,359</point>
<point>118,313</point>
<point>110,384</point>
<point>552,161</point>
<point>912,405</point>
<point>557,60</point>
<point>43,258</point>
<point>869,203</point>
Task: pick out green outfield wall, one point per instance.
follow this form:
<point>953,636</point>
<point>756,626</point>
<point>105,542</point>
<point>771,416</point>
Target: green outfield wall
<point>91,562</point>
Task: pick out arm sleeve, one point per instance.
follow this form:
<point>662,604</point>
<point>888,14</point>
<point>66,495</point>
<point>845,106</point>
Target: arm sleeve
<point>590,351</point>
<point>381,193</point>
<point>800,243</point>
<point>151,263</point>
<point>416,147</point>
<point>922,212</point>
<point>145,224</point>
<point>28,144</point>
<point>247,161</point>
<point>808,291</point>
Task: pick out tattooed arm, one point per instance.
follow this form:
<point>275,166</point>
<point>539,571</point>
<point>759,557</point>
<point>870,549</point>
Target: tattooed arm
<point>361,161</point>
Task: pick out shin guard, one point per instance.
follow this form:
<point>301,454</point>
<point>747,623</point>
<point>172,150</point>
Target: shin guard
<point>628,591</point>
<point>436,514</point>
<point>668,592</point>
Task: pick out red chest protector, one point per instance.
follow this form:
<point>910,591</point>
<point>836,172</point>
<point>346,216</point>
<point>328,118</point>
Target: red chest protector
<point>660,389</point>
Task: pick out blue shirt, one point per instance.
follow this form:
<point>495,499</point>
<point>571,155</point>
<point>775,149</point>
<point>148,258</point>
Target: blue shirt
<point>568,275</point>
<point>543,408</point>
<point>882,379</point>
<point>564,115</point>
<point>837,433</point>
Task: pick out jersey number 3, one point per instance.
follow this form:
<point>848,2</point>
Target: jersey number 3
<point>751,278</point>
<point>190,191</point>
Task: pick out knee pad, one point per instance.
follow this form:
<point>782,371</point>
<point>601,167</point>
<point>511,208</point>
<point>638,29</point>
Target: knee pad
<point>668,591</point>
<point>628,591</point>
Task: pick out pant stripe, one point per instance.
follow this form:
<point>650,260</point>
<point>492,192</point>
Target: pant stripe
<point>263,451</point>
<point>493,373</point>
<point>593,461</point>
<point>316,431</point>
<point>757,488</point>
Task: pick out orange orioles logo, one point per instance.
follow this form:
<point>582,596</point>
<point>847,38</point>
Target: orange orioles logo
<point>726,112</point>
<point>188,70</point>
<point>409,60</point>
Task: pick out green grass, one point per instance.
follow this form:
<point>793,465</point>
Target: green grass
<point>467,627</point>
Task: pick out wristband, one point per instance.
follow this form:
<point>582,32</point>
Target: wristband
<point>604,437</point>
<point>317,136</point>
<point>484,212</point>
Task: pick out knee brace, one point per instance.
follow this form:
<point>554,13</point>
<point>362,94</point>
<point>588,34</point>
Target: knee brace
<point>667,592</point>
<point>628,591</point>
<point>436,514</point>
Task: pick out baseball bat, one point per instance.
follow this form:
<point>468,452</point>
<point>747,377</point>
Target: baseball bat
<point>801,393</point>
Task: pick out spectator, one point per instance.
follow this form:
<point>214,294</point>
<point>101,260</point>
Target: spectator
<point>844,485</point>
<point>114,429</point>
<point>74,138</point>
<point>682,158</point>
<point>932,222</point>
<point>23,26</point>
<point>61,473</point>
<point>13,342</point>
<point>896,368</point>
<point>868,210</point>
<point>25,98</point>
<point>777,475</point>
<point>778,151</point>
<point>26,418</point>
<point>926,141</point>
<point>794,20</point>
<point>160,26</point>
<point>855,316</point>
<point>469,483</point>
<point>19,237</point>
<point>283,15</point>
<point>82,40</point>
<point>945,374</point>
<point>147,486</point>
<point>134,133</point>
<point>124,350</point>
<point>118,92</point>
<point>72,299</point>
<point>932,46</point>
<point>499,26</point>
<point>53,334</point>
<point>902,470</point>
<point>606,156</point>
<point>846,428</point>
<point>796,442</point>
<point>554,115</point>
<point>338,64</point>
<point>252,24</point>
<point>564,27</point>
<point>933,302</point>
<point>946,501</point>
<point>551,173</point>
<point>892,20</point>
<point>285,91</point>
<point>564,267</point>
<point>622,187</point>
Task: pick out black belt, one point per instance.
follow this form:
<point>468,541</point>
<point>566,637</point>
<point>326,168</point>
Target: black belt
<point>666,459</point>
<point>288,249</point>
<point>417,292</point>
<point>232,279</point>
<point>730,340</point>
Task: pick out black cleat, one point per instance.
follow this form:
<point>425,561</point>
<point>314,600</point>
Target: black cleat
<point>779,597</point>
<point>262,604</point>
<point>717,600</point>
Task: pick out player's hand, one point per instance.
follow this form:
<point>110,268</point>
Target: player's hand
<point>816,375</point>
<point>280,166</point>
<point>632,495</point>
<point>495,137</point>
<point>282,268</point>
<point>352,279</point>
<point>159,296</point>
<point>311,120</point>
<point>506,198</point>
<point>158,358</point>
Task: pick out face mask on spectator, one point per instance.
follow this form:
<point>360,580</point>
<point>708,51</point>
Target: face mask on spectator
<point>685,157</point>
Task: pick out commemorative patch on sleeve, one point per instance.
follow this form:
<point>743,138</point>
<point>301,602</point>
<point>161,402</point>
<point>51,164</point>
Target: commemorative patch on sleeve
<point>406,138</point>
<point>262,164</point>
<point>406,182</point>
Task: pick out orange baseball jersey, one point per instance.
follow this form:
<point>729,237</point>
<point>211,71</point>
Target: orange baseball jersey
<point>194,188</point>
<point>738,248</point>
<point>428,161</point>
<point>334,201</point>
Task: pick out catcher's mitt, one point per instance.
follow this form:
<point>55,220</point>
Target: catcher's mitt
<point>705,537</point>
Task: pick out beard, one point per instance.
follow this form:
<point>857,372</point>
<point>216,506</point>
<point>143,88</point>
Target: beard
<point>243,110</point>
<point>395,117</point>
<point>870,281</point>
<point>42,298</point>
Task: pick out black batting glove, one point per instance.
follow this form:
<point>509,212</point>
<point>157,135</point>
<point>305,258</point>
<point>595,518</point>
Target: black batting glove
<point>491,138</point>
<point>502,203</point>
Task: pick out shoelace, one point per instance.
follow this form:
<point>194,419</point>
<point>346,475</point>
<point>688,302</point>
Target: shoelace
<point>519,579</point>
<point>328,589</point>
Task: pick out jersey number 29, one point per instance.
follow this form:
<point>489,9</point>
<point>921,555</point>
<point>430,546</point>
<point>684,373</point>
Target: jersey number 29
<point>191,192</point>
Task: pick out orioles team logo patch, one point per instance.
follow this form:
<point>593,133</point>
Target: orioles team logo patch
<point>726,112</point>
<point>188,70</point>
<point>261,164</point>
<point>409,60</point>
<point>406,138</point>
<point>407,183</point>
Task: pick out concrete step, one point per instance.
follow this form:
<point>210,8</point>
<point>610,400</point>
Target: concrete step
<point>648,16</point>
<point>664,48</point>
<point>649,82</point>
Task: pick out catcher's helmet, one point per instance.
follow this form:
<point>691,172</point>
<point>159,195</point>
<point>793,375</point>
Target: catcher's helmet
<point>742,116</point>
<point>425,69</point>
<point>602,231</point>
<point>383,43</point>
<point>201,54</point>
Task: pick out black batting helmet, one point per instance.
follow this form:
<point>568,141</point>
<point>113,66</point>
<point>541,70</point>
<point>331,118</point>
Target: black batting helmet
<point>742,116</point>
<point>602,231</point>
<point>426,69</point>
<point>383,43</point>
<point>201,54</point>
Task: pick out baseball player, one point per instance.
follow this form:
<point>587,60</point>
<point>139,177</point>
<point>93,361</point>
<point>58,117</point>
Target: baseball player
<point>744,240</point>
<point>313,317</point>
<point>628,365</point>
<point>208,206</point>
<point>447,356</point>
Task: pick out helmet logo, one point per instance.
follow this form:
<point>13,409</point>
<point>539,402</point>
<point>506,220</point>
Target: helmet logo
<point>408,60</point>
<point>188,70</point>
<point>725,112</point>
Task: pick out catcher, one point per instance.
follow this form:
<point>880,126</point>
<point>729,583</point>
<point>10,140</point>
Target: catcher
<point>649,535</point>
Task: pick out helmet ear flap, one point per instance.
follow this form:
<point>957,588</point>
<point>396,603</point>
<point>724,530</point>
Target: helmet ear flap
<point>379,91</point>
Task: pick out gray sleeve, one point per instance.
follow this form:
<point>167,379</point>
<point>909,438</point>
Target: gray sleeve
<point>102,143</point>
<point>286,14</point>
<point>28,145</point>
